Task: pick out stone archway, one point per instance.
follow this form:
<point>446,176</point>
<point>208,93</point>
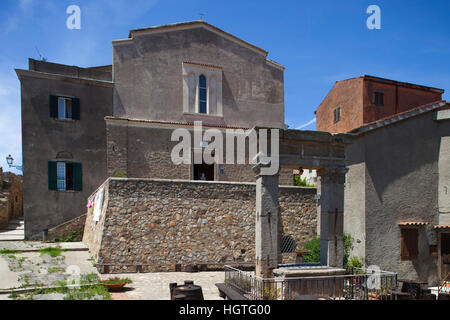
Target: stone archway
<point>324,152</point>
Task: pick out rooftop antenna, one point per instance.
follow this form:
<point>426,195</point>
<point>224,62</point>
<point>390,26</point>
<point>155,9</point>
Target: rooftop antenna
<point>202,15</point>
<point>40,55</point>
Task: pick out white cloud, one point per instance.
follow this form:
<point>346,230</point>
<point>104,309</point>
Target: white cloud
<point>306,124</point>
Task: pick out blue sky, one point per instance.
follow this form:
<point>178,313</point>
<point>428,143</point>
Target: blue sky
<point>319,42</point>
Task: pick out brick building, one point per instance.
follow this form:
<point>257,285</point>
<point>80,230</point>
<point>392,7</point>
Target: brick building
<point>355,102</point>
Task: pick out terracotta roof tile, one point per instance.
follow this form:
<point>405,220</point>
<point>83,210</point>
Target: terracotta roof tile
<point>413,224</point>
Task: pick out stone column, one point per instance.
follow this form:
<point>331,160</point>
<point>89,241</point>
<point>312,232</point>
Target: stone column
<point>331,210</point>
<point>267,221</point>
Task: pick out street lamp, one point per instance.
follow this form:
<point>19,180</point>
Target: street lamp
<point>10,160</point>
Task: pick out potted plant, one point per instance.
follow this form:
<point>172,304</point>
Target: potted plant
<point>116,283</point>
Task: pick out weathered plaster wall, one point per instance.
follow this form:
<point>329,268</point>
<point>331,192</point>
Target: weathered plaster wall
<point>401,180</point>
<point>44,137</point>
<point>168,225</point>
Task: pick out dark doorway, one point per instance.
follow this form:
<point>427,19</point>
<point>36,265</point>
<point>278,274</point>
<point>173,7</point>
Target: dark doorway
<point>445,254</point>
<point>204,172</point>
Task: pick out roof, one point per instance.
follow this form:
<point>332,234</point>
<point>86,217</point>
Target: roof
<point>201,24</point>
<point>197,23</point>
<point>437,105</point>
<point>442,227</point>
<point>413,224</point>
<point>395,82</point>
<point>171,123</point>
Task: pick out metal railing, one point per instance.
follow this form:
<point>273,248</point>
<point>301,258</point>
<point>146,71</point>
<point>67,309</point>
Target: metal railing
<point>444,284</point>
<point>359,285</point>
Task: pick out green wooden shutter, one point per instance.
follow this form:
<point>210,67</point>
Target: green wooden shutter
<point>53,106</point>
<point>75,109</point>
<point>52,183</point>
<point>77,177</point>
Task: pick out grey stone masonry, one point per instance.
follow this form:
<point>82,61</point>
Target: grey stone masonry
<point>154,225</point>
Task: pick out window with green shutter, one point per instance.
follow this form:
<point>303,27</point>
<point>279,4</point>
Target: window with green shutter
<point>64,176</point>
<point>67,108</point>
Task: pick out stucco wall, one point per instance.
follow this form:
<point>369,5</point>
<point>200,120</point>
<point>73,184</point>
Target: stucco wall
<point>148,72</point>
<point>168,225</point>
<point>401,185</point>
<point>44,137</point>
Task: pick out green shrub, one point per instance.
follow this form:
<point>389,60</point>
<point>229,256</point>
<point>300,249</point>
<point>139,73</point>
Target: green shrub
<point>313,254</point>
<point>299,182</point>
<point>313,247</point>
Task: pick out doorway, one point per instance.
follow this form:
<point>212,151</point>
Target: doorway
<point>204,172</point>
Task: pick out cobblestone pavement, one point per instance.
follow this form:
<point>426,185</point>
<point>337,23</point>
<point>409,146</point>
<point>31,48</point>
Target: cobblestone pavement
<point>155,286</point>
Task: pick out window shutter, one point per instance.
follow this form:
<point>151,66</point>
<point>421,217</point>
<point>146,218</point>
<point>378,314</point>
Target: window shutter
<point>52,183</point>
<point>409,244</point>
<point>77,177</point>
<point>75,109</point>
<point>53,106</point>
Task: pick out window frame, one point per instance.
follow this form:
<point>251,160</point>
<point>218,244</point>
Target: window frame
<point>200,101</point>
<point>377,96</point>
<point>65,176</point>
<point>65,108</point>
<point>337,114</point>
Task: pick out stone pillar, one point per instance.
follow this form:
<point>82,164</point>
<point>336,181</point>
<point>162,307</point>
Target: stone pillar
<point>331,210</point>
<point>267,221</point>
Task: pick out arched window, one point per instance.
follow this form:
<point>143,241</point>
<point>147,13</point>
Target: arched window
<point>202,94</point>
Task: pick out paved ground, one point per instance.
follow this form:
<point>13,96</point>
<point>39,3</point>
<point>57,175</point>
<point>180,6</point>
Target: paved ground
<point>30,267</point>
<point>30,246</point>
<point>155,286</point>
<point>14,231</point>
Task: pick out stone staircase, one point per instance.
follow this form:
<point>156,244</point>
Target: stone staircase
<point>14,231</point>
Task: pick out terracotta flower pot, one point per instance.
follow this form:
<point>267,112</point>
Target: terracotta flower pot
<point>113,287</point>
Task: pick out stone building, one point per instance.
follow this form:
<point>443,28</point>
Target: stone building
<point>83,125</point>
<point>11,206</point>
<point>355,102</point>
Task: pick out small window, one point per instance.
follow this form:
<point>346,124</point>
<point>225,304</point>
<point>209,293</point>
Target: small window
<point>288,244</point>
<point>64,108</point>
<point>379,99</point>
<point>64,176</point>
<point>202,94</point>
<point>337,114</point>
<point>409,244</point>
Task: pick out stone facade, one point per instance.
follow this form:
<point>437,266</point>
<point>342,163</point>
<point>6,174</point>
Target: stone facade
<point>143,150</point>
<point>11,201</point>
<point>167,225</point>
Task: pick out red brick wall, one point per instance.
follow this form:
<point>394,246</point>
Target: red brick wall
<point>408,98</point>
<point>348,95</point>
<point>356,99</point>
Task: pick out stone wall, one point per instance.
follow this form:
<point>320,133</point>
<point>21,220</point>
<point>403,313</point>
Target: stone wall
<point>11,203</point>
<point>172,225</point>
<point>73,228</point>
<point>143,150</point>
